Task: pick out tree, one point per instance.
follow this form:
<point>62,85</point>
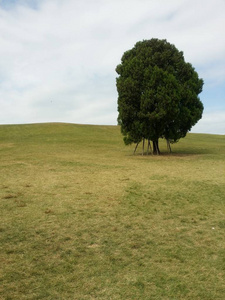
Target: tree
<point>157,94</point>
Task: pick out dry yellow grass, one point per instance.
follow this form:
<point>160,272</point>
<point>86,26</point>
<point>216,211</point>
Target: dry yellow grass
<point>82,218</point>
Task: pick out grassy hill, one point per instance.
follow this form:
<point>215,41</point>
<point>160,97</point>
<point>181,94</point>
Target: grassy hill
<point>82,218</point>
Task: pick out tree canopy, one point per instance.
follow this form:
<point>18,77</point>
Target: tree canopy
<point>157,93</point>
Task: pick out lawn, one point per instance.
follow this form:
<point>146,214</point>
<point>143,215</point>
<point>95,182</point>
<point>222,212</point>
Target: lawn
<point>83,218</point>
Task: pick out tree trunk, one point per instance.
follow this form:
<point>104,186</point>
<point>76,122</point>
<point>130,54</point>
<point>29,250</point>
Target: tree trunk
<point>136,148</point>
<point>156,147</point>
<point>143,147</point>
<point>168,146</point>
<point>149,147</point>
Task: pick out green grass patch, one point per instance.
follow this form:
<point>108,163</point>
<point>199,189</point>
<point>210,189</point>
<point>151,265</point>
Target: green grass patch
<point>82,218</point>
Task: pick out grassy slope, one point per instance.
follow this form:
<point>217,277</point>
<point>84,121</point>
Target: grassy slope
<point>81,218</point>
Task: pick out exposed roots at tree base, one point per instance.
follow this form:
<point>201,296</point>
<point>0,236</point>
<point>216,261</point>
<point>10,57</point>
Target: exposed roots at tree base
<point>153,151</point>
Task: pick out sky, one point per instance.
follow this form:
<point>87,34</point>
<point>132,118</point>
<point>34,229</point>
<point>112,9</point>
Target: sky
<point>58,57</point>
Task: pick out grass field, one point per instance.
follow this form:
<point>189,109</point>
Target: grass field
<point>82,218</point>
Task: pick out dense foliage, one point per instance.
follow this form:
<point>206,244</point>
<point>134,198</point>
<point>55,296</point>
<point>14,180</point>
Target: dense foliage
<point>157,93</point>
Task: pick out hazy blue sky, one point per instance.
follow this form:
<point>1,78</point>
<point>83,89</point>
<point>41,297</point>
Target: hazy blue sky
<point>58,57</point>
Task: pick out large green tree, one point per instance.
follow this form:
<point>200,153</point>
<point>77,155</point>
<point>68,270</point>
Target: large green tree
<point>157,93</point>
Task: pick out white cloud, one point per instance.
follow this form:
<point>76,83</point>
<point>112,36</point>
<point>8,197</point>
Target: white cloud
<point>211,122</point>
<point>58,57</point>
